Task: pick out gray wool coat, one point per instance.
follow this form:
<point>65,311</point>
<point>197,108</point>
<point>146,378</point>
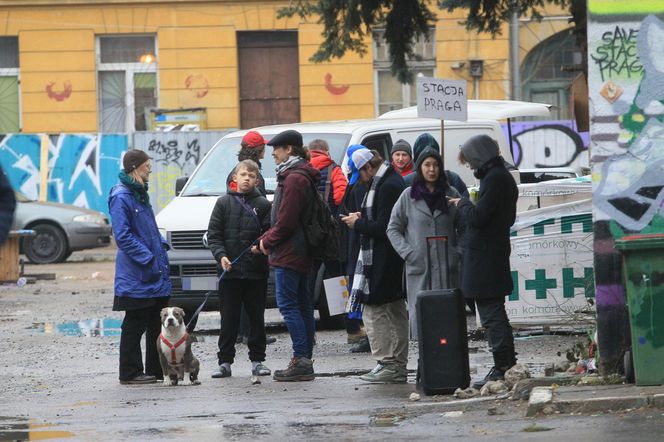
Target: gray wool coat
<point>410,224</point>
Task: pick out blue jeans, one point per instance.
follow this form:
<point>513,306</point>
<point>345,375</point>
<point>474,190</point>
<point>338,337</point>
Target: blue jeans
<point>295,306</point>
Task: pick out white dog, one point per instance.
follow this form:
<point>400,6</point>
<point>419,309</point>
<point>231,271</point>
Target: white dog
<point>174,345</point>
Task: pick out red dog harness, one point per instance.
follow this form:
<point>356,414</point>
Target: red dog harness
<point>172,346</point>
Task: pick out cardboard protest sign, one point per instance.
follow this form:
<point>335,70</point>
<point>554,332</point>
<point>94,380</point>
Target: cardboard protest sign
<point>442,99</point>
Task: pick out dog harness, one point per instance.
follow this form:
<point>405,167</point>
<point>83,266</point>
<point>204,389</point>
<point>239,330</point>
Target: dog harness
<point>172,346</point>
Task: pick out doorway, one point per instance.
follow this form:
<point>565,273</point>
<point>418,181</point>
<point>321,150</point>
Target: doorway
<point>269,78</point>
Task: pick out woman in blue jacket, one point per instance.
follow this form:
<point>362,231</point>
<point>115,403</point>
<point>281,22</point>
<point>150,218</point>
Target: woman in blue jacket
<point>142,285</point>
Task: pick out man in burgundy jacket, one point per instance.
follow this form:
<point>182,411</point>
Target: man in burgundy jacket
<point>289,253</point>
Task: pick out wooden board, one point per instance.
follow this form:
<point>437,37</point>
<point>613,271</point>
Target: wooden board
<point>9,266</point>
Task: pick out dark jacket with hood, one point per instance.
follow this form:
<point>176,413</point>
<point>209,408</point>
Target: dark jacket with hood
<point>285,239</point>
<point>233,228</point>
<point>387,269</point>
<point>7,206</point>
<point>486,259</point>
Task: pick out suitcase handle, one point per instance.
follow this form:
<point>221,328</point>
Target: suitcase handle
<point>445,239</point>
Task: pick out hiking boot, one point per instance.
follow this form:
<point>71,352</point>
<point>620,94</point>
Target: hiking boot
<point>354,338</point>
<point>361,347</point>
<point>385,374</point>
<point>495,374</point>
<point>221,372</point>
<point>299,369</point>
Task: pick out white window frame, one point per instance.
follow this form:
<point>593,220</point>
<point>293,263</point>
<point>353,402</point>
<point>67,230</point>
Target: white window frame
<point>15,72</point>
<point>384,65</point>
<point>129,69</point>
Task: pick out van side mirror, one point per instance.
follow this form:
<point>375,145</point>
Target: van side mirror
<point>179,184</point>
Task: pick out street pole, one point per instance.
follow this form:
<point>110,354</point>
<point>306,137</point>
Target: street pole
<point>515,72</point>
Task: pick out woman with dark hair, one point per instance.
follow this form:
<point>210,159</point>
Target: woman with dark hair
<point>421,211</point>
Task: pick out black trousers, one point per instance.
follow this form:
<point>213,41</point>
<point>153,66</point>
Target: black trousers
<point>136,323</point>
<point>233,295</point>
<point>499,331</point>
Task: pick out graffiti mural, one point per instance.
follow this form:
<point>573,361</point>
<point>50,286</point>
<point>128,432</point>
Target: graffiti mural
<point>626,92</point>
<point>174,154</point>
<point>548,144</point>
<point>82,168</point>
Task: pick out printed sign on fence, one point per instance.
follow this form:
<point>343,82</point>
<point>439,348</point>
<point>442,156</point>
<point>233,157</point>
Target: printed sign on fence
<point>442,99</point>
<point>552,266</point>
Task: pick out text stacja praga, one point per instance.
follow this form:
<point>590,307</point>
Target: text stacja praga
<point>442,99</point>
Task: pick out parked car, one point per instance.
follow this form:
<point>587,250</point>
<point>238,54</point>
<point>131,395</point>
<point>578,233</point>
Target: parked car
<point>60,229</point>
<point>183,222</point>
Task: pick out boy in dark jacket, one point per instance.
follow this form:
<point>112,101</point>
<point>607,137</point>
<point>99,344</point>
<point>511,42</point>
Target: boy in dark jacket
<point>238,219</point>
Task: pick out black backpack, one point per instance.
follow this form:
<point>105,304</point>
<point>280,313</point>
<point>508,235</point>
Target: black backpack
<point>320,228</point>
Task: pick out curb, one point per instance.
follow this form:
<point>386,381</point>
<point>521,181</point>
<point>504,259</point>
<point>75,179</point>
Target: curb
<point>543,401</point>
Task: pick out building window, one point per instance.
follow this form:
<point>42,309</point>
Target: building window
<point>392,94</point>
<point>127,72</point>
<point>548,70</point>
<point>10,114</point>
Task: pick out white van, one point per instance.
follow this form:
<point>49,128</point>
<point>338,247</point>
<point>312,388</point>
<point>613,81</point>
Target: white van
<point>185,219</point>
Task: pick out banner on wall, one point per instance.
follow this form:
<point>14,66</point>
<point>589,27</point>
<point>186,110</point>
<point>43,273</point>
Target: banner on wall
<point>552,266</point>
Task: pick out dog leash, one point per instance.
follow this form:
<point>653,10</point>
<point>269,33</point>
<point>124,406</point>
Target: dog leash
<point>207,295</point>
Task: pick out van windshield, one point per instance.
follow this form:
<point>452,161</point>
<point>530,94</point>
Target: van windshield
<point>210,178</point>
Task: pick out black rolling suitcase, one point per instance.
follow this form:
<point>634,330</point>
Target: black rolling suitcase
<point>442,336</point>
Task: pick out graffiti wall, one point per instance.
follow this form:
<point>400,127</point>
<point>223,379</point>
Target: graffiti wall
<point>626,88</point>
<point>174,154</point>
<point>82,168</point>
<point>548,144</point>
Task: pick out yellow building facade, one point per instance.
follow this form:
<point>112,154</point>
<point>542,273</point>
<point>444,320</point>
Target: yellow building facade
<point>64,84</point>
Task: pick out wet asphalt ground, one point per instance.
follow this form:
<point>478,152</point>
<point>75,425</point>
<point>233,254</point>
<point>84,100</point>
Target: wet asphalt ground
<point>60,341</point>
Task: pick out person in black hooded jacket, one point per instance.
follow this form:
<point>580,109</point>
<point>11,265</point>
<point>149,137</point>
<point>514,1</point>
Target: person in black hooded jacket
<point>7,206</point>
<point>486,274</point>
<point>237,221</point>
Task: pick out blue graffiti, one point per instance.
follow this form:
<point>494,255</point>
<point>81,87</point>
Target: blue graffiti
<point>82,167</point>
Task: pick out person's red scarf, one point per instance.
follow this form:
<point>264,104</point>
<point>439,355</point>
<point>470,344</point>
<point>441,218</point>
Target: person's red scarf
<point>406,170</point>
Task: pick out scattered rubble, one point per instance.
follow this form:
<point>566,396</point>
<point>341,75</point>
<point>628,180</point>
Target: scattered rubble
<point>515,374</point>
<point>493,387</point>
<point>465,394</point>
<point>562,366</point>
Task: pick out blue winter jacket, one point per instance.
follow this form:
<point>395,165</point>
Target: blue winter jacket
<point>141,266</point>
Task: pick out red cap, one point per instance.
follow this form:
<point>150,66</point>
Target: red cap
<point>253,139</point>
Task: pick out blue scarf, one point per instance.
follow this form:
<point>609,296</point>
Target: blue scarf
<point>139,191</point>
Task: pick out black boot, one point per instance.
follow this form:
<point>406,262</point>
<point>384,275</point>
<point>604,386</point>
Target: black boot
<point>495,374</point>
<point>361,347</point>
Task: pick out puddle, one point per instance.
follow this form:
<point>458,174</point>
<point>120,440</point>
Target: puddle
<point>21,429</point>
<point>386,420</point>
<point>87,327</point>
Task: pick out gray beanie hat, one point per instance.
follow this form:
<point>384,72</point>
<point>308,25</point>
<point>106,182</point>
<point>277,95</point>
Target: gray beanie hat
<point>402,146</point>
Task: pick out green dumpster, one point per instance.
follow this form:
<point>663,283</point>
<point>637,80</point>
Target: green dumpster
<point>643,264</point>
